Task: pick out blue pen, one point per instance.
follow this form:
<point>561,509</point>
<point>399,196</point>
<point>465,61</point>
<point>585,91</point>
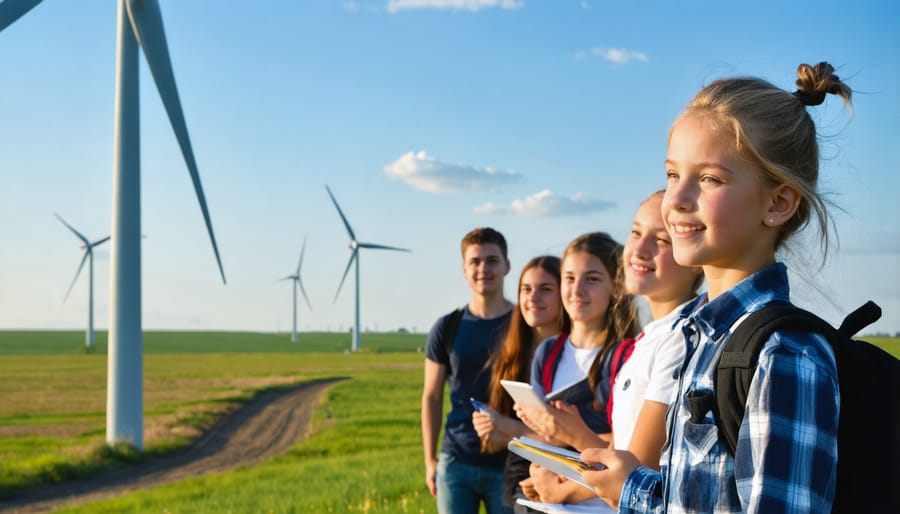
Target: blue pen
<point>478,405</point>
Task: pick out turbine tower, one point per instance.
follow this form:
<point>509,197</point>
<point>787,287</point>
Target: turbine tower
<point>354,257</point>
<point>138,24</point>
<point>88,256</point>
<point>298,284</point>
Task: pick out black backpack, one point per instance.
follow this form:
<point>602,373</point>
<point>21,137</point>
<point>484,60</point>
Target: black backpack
<point>450,326</point>
<point>868,471</point>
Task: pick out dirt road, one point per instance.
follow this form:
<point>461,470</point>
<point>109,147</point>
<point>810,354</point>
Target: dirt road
<point>268,425</point>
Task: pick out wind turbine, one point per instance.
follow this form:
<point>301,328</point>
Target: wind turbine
<point>354,257</point>
<point>139,23</point>
<point>297,283</point>
<point>88,256</point>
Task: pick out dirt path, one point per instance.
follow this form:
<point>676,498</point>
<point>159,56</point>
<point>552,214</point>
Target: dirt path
<point>268,425</point>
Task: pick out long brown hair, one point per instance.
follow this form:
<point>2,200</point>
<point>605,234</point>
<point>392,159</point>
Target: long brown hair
<point>620,321</point>
<point>513,359</point>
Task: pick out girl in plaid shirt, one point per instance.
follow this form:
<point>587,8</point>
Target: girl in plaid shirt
<point>742,169</point>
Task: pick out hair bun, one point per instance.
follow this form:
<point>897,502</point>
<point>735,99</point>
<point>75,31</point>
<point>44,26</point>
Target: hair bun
<point>814,82</point>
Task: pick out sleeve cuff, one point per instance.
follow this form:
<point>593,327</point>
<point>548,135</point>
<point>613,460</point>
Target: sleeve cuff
<point>642,492</point>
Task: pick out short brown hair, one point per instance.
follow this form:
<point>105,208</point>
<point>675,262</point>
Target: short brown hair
<point>484,235</point>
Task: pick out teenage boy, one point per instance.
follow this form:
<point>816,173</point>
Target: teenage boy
<point>462,476</point>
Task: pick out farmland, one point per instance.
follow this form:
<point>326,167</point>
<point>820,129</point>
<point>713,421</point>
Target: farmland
<point>363,449</point>
<point>362,453</point>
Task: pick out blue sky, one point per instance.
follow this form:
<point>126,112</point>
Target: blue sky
<point>543,119</point>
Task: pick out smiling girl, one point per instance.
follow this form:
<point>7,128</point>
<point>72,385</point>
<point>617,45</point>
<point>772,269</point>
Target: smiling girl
<point>644,384</point>
<point>539,315</point>
<point>742,169</point>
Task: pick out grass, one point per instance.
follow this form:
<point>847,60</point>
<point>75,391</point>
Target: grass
<point>357,460</point>
<point>52,407</point>
<point>363,454</point>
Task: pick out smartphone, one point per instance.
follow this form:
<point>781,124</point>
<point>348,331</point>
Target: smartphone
<point>478,405</point>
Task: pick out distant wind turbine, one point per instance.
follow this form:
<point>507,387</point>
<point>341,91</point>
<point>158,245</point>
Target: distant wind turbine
<point>139,24</point>
<point>298,284</point>
<point>354,257</point>
<point>88,256</point>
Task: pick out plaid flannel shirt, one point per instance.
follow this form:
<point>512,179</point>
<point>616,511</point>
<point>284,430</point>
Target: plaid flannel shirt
<point>786,456</point>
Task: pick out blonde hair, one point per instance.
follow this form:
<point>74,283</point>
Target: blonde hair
<point>772,128</point>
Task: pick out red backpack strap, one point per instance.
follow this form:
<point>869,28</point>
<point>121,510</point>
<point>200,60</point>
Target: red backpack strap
<point>622,354</point>
<point>552,360</point>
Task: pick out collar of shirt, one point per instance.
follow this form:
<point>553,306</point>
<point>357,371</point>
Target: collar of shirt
<point>717,317</point>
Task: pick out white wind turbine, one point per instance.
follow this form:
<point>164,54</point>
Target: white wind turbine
<point>354,257</point>
<point>88,256</point>
<point>138,24</point>
<point>298,284</point>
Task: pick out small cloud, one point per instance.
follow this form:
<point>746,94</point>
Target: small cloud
<point>456,5</point>
<point>613,55</point>
<point>357,6</point>
<point>425,173</point>
<point>546,204</point>
<point>585,5</point>
<point>489,208</point>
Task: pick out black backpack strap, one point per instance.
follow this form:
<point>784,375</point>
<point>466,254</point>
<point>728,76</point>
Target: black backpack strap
<point>738,359</point>
<point>450,327</point>
<point>859,319</point>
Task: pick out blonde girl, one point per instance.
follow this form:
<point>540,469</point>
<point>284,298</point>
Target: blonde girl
<point>644,384</point>
<point>742,169</point>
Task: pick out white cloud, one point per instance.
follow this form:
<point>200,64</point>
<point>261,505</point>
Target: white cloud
<point>457,5</point>
<point>425,173</point>
<point>613,55</point>
<point>546,204</point>
<point>585,5</point>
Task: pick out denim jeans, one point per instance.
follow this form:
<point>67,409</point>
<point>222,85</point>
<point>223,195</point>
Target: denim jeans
<point>461,487</point>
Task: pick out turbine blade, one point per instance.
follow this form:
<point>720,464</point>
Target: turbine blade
<point>302,251</point>
<point>77,234</point>
<point>347,270</point>
<point>12,10</point>
<point>300,285</point>
<point>146,21</point>
<point>344,218</point>
<point>100,242</point>
<point>87,252</point>
<point>382,247</point>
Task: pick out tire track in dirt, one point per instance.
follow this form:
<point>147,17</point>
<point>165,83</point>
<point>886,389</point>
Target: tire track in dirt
<point>266,426</point>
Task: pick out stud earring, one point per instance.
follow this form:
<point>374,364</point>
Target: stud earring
<point>771,221</point>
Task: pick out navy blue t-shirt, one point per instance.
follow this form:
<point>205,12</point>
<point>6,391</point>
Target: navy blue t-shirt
<point>469,376</point>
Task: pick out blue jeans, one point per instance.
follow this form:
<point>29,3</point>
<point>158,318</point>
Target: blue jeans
<point>461,487</point>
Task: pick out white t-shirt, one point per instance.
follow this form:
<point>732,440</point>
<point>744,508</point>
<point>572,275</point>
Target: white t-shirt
<point>574,364</point>
<point>649,374</point>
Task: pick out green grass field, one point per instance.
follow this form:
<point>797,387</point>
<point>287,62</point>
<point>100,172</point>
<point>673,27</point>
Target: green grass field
<point>363,454</point>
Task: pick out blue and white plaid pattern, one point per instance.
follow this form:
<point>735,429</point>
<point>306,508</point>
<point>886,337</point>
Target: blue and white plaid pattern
<point>786,454</point>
